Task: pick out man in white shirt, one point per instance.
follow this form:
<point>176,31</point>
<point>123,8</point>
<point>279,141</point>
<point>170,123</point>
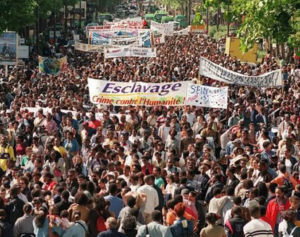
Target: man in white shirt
<point>152,198</point>
<point>257,227</point>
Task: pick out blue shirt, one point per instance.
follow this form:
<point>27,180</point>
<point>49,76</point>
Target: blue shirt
<point>116,204</point>
<point>71,147</point>
<point>178,230</point>
<point>43,231</point>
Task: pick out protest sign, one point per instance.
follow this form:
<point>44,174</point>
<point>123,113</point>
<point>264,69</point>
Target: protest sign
<point>216,72</point>
<point>164,28</point>
<point>184,31</point>
<point>8,48</point>
<point>130,52</point>
<point>124,41</point>
<point>52,66</point>
<point>145,39</point>
<point>98,39</point>
<point>206,96</point>
<point>137,93</point>
<point>197,28</point>
<point>23,51</point>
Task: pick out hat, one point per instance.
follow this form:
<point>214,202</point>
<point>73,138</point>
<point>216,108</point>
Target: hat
<point>185,191</point>
<point>105,144</point>
<point>206,162</point>
<point>111,174</point>
<point>236,159</point>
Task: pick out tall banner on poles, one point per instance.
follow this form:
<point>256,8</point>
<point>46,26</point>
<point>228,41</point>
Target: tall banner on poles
<point>8,48</point>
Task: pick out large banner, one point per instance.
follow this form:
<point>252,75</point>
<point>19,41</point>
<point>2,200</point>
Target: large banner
<point>8,48</point>
<point>53,66</point>
<point>130,52</point>
<point>98,39</point>
<point>145,39</point>
<point>184,31</point>
<point>164,28</point>
<point>137,93</point>
<point>206,96</point>
<point>216,72</point>
<point>88,48</point>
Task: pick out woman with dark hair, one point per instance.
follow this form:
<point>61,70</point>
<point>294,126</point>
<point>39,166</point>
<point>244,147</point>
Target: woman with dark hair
<point>100,211</point>
<point>262,190</point>
<point>287,226</point>
<point>80,203</point>
<point>41,223</point>
<point>212,230</point>
<point>56,164</point>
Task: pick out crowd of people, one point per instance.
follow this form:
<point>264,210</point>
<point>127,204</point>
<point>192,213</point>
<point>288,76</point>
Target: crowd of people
<point>72,169</point>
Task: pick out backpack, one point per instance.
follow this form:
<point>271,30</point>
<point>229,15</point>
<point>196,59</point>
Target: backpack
<point>185,229</point>
<point>288,185</point>
<point>100,224</point>
<point>291,234</point>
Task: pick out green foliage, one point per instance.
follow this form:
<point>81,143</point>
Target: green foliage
<point>198,20</point>
<point>266,18</point>
<point>16,14</point>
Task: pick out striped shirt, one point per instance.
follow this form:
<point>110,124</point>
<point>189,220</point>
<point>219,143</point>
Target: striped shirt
<point>258,228</point>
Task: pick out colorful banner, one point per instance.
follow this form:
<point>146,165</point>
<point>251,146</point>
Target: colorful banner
<point>53,66</point>
<point>98,39</point>
<point>206,96</point>
<point>130,52</point>
<point>145,39</point>
<point>137,93</point>
<point>8,48</point>
<point>164,28</point>
<point>216,72</point>
<point>198,28</point>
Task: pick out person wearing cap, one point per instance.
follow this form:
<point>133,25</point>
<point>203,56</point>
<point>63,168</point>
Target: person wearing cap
<point>6,152</point>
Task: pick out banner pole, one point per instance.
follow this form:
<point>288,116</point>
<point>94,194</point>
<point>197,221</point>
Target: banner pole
<point>6,70</point>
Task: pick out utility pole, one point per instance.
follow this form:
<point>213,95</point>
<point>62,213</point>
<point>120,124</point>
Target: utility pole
<point>80,14</point>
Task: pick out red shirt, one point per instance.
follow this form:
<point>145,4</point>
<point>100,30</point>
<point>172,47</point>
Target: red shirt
<point>49,186</point>
<point>20,149</point>
<point>150,169</point>
<point>94,124</point>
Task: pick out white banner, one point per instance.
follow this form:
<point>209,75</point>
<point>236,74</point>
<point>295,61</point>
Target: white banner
<point>164,28</point>
<point>216,72</point>
<point>184,31</point>
<point>88,48</point>
<point>130,52</point>
<point>23,51</point>
<point>136,93</point>
<point>206,96</point>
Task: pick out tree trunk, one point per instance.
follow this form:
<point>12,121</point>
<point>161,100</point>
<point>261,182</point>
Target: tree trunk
<point>277,50</point>
<point>282,51</point>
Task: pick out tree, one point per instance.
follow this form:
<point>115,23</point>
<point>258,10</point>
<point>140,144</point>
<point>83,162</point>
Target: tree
<point>264,19</point>
<point>16,14</point>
